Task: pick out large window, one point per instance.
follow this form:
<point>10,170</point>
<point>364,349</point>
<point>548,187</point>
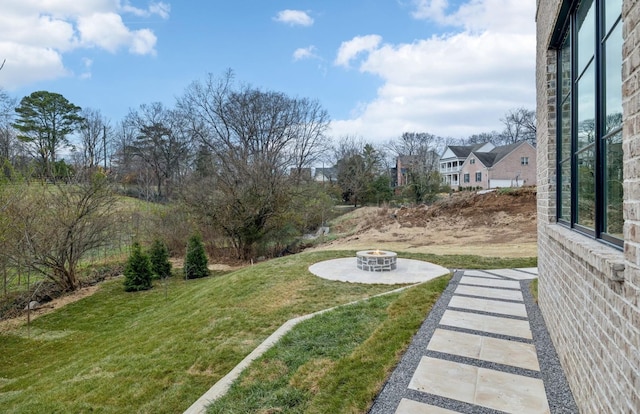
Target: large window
<point>589,135</point>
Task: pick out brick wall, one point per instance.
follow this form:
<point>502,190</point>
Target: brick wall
<point>589,292</point>
<point>472,169</point>
<point>511,166</point>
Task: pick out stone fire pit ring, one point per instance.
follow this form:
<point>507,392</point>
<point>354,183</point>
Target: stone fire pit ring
<point>376,260</point>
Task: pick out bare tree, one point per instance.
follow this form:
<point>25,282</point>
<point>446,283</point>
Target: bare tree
<point>56,225</point>
<point>493,137</point>
<point>162,142</point>
<point>254,139</point>
<point>123,157</point>
<point>8,139</point>
<point>519,125</point>
<point>95,133</point>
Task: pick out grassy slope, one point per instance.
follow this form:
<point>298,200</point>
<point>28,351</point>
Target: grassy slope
<point>123,352</point>
<point>335,362</point>
<point>142,352</point>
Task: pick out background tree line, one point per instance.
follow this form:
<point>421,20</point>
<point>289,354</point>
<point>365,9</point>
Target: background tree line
<point>229,161</point>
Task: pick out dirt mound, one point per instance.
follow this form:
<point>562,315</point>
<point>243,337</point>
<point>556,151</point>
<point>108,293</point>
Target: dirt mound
<point>495,223</point>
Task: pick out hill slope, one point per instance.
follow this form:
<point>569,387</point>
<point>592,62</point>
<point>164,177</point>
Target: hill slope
<point>498,223</point>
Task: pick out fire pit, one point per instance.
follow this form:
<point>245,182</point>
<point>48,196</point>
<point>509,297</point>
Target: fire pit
<point>376,260</point>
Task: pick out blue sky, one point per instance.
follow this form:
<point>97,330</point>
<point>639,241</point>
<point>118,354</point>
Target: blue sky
<point>380,67</point>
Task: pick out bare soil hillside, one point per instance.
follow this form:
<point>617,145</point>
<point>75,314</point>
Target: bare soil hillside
<point>494,224</point>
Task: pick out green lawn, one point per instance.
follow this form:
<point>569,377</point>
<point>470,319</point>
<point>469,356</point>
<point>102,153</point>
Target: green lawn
<point>141,352</point>
<point>335,362</point>
<point>128,352</point>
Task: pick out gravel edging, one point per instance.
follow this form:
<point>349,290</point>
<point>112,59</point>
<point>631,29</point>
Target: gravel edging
<point>559,394</point>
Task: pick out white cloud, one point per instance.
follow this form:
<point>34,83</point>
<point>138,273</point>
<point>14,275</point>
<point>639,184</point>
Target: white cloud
<point>451,85</point>
<point>105,30</point>
<point>351,48</point>
<point>27,64</point>
<point>430,9</point>
<point>158,8</point>
<point>294,18</point>
<point>505,16</point>
<point>87,65</point>
<point>143,42</point>
<point>305,53</point>
<point>36,34</point>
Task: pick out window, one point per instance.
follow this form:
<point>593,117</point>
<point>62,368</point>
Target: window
<point>524,161</point>
<point>589,127</point>
<point>472,161</point>
<point>466,178</point>
<point>478,176</point>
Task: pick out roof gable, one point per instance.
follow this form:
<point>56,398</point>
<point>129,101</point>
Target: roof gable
<point>504,150</point>
<point>463,151</point>
<point>486,158</point>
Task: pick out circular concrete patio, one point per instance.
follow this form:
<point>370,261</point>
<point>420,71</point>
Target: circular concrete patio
<point>407,271</point>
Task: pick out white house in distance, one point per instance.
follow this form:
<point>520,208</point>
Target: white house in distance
<point>487,166</point>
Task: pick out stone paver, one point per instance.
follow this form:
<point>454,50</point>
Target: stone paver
<point>486,323</point>
<point>413,407</point>
<point>490,292</point>
<point>510,284</point>
<point>491,306</point>
<point>479,354</point>
<point>500,351</point>
<point>514,274</point>
<point>480,273</point>
<point>480,386</point>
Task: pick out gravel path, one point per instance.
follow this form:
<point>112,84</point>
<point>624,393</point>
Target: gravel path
<point>439,375</point>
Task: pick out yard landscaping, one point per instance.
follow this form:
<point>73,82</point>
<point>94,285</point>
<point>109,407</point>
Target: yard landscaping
<point>141,352</point>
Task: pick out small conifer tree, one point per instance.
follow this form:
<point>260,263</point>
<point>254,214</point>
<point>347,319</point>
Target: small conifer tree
<point>137,272</point>
<point>195,261</point>
<point>159,256</point>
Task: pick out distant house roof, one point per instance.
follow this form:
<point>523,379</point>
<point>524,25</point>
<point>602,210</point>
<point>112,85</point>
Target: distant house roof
<point>463,151</point>
<point>460,151</point>
<point>488,159</point>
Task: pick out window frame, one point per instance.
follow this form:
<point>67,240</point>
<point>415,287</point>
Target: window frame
<point>478,176</point>
<point>568,31</point>
<point>466,178</point>
<point>524,160</point>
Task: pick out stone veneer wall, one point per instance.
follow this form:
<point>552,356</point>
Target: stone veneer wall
<point>589,292</point>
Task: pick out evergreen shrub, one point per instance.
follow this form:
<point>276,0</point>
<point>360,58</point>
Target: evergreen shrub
<point>159,256</point>
<point>137,272</point>
<point>195,261</point>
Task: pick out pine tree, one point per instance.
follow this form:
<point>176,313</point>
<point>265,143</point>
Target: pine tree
<point>137,272</point>
<point>159,256</point>
<point>195,261</point>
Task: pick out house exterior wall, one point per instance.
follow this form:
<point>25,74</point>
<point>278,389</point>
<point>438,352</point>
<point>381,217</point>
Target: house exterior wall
<point>589,292</point>
<point>510,167</point>
<point>450,170</point>
<point>472,169</point>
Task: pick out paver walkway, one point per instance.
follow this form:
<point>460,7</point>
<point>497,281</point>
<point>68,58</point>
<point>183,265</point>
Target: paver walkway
<point>482,349</point>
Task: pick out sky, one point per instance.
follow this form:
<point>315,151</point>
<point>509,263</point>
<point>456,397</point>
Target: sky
<point>452,68</point>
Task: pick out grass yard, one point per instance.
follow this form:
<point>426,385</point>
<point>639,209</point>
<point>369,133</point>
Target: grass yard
<point>117,352</point>
<point>120,352</point>
<point>335,362</point>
